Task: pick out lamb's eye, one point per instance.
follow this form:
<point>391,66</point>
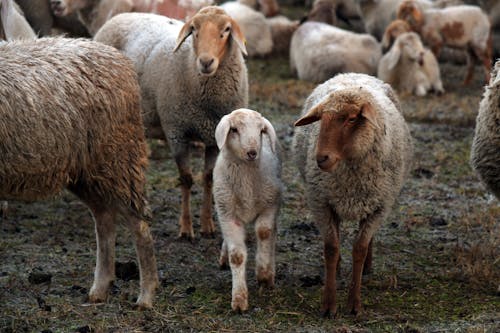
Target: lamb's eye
<point>234,130</point>
<point>352,120</point>
<point>228,28</point>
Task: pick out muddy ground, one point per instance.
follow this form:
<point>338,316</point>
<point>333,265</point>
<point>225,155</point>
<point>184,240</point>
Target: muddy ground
<point>436,258</point>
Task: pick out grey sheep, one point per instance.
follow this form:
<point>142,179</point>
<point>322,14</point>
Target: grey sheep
<point>191,75</point>
<point>485,152</point>
<point>247,189</point>
<point>354,160</point>
<point>71,119</point>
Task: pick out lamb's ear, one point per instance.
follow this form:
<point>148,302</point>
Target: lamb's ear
<point>221,131</point>
<point>369,113</point>
<point>393,56</point>
<point>271,133</point>
<point>186,30</point>
<point>312,116</point>
<point>238,37</point>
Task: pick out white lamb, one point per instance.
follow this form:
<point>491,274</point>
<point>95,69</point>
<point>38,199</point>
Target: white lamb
<point>247,188</point>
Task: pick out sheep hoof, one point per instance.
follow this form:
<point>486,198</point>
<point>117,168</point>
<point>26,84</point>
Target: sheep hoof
<point>239,303</point>
<point>210,234</point>
<point>265,278</point>
<point>328,311</point>
<point>354,307</point>
<point>143,305</point>
<point>186,236</point>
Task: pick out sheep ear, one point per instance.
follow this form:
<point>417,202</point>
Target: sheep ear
<point>271,133</point>
<point>238,37</point>
<point>369,113</point>
<point>312,116</point>
<point>221,131</point>
<point>187,29</point>
<point>393,56</point>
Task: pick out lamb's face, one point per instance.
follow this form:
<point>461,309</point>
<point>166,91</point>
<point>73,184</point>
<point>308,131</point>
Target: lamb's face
<point>347,129</point>
<point>66,7</point>
<point>213,31</point>
<point>412,47</point>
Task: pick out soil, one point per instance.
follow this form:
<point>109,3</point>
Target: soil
<point>436,258</point>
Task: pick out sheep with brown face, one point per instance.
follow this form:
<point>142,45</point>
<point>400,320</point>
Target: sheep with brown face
<point>191,75</point>
<point>461,27</point>
<point>353,157</point>
<point>71,118</point>
<point>247,189</point>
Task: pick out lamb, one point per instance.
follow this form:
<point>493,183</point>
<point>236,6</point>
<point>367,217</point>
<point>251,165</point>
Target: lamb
<point>269,8</point>
<point>191,75</point>
<point>94,13</point>
<point>485,157</point>
<point>318,51</point>
<point>72,107</point>
<point>409,67</point>
<point>353,160</point>
<point>254,26</point>
<point>247,188</point>
<point>462,27</point>
<point>13,25</point>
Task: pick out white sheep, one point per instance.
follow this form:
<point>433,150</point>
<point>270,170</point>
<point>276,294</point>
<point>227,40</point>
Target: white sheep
<point>191,75</point>
<point>71,118</point>
<point>354,159</point>
<point>13,25</point>
<point>254,26</point>
<point>485,151</point>
<point>318,51</point>
<point>462,27</point>
<point>409,67</point>
<point>247,189</point>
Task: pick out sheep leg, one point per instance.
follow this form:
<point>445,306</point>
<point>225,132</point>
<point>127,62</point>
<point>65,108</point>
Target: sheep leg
<point>485,57</point>
<point>331,251</point>
<point>206,220</point>
<point>144,248</point>
<point>186,181</point>
<point>223,259</point>
<point>233,232</point>
<point>265,229</point>
<point>470,68</point>
<point>367,267</point>
<point>104,274</point>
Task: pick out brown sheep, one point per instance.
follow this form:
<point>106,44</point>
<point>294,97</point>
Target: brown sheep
<point>71,118</point>
<point>462,27</point>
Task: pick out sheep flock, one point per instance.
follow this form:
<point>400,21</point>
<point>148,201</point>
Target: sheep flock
<point>309,166</point>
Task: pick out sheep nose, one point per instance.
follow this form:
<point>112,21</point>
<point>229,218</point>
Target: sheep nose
<point>206,63</point>
<point>252,154</point>
<point>321,160</point>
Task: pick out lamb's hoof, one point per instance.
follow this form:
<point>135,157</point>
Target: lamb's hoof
<point>143,305</point>
<point>239,303</point>
<point>328,310</point>
<point>265,278</point>
<point>95,298</point>
<point>208,234</point>
<point>354,307</point>
<point>186,236</point>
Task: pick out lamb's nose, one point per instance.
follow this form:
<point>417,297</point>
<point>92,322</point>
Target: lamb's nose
<point>252,154</point>
<point>322,159</point>
<point>206,63</point>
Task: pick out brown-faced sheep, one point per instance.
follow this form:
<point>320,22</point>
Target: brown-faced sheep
<point>71,118</point>
<point>247,189</point>
<point>354,159</point>
<point>462,27</point>
<point>191,75</point>
<point>485,152</point>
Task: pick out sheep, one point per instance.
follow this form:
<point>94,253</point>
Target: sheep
<point>254,26</point>
<point>282,30</point>
<point>463,27</point>
<point>72,107</point>
<point>409,67</point>
<point>318,51</point>
<point>13,25</point>
<point>191,75</point>
<point>353,161</point>
<point>40,17</point>
<point>329,11</point>
<point>94,13</point>
<point>247,188</point>
<point>269,8</point>
<point>485,156</point>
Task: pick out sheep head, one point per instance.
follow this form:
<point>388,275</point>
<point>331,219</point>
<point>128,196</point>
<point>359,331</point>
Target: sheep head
<point>241,132</point>
<point>410,12</point>
<point>212,30</point>
<point>66,7</point>
<point>348,121</point>
<point>393,30</point>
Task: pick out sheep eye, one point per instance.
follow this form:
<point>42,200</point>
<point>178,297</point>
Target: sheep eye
<point>228,28</point>
<point>352,120</point>
<point>234,130</point>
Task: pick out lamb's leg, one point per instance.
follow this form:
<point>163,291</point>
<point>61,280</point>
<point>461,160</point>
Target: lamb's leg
<point>233,232</point>
<point>186,181</point>
<point>331,252</point>
<point>359,256</point>
<point>104,274</point>
<point>470,68</point>
<point>367,267</point>
<point>265,229</point>
<point>207,222</point>
<point>144,248</point>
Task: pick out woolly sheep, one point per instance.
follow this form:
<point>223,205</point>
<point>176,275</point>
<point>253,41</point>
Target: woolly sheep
<point>318,51</point>
<point>406,65</point>
<point>462,27</point>
<point>191,75</point>
<point>485,152</point>
<point>254,26</point>
<point>13,25</point>
<point>354,160</point>
<point>282,30</point>
<point>269,8</point>
<point>72,107</point>
<point>247,188</point>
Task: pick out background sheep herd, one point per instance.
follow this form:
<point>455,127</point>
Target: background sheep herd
<point>436,263</point>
